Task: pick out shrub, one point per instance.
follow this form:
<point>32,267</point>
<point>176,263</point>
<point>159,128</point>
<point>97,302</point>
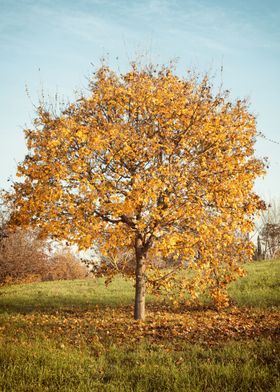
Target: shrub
<point>22,257</point>
<point>65,266</point>
<point>25,258</point>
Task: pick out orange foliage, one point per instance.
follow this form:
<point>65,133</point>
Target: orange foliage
<point>150,162</point>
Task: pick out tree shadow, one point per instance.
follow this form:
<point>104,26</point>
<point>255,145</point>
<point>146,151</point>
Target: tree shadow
<point>49,298</point>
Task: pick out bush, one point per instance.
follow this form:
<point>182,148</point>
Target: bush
<point>24,258</point>
<point>64,266</point>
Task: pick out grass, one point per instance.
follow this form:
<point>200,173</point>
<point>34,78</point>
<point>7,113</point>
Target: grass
<point>235,367</point>
<point>260,287</point>
<point>82,294</point>
<point>80,336</point>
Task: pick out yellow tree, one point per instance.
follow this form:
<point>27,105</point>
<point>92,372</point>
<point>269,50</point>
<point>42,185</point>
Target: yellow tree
<point>151,163</point>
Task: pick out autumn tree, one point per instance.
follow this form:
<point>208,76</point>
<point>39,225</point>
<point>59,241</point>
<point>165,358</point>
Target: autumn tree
<point>150,163</point>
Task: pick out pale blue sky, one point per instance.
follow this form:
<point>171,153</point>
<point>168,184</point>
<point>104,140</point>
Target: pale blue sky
<point>50,45</point>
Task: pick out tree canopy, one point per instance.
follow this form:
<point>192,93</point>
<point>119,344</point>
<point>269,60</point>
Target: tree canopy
<point>149,162</point>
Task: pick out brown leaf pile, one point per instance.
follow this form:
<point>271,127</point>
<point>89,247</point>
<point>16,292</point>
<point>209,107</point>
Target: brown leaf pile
<point>105,326</point>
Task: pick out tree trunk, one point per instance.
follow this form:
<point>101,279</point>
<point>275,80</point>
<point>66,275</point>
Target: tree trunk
<point>139,305</point>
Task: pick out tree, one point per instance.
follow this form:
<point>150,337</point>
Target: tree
<point>258,251</point>
<point>270,236</point>
<point>149,162</point>
<point>269,229</point>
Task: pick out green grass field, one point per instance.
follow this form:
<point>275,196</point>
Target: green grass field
<point>80,336</point>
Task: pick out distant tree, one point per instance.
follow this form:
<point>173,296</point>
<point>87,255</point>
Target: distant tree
<point>269,230</point>
<point>4,217</point>
<point>152,163</point>
<point>270,236</point>
<point>258,251</point>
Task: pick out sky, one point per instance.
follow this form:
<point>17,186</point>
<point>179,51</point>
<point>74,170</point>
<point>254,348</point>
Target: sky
<point>51,47</point>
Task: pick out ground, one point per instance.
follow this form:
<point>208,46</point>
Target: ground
<point>81,336</point>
